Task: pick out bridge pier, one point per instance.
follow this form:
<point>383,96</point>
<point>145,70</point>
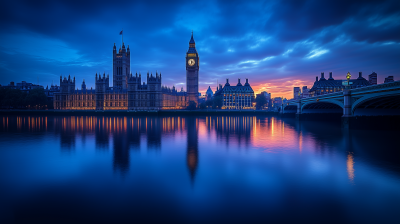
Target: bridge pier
<point>347,118</point>
<point>298,114</point>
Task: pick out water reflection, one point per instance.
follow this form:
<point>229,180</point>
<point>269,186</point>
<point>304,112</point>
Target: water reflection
<point>192,154</point>
<point>124,134</point>
<point>350,167</point>
<point>197,167</point>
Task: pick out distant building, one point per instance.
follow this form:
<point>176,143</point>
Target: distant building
<point>236,97</point>
<point>296,92</point>
<point>389,79</point>
<point>373,78</point>
<point>305,92</point>
<point>265,94</point>
<point>209,94</point>
<point>50,92</point>
<point>277,102</point>
<point>23,86</point>
<point>324,86</point>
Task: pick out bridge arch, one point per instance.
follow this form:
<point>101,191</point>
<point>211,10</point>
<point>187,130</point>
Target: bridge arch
<point>289,109</point>
<point>323,104</point>
<point>381,103</point>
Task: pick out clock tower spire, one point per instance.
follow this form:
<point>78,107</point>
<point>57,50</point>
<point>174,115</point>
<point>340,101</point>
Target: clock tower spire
<point>192,72</point>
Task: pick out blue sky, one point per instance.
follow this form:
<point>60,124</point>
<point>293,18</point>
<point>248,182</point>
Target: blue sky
<point>276,44</point>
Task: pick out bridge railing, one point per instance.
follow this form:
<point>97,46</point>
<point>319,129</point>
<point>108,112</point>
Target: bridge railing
<point>395,84</point>
<point>316,97</point>
<point>378,86</point>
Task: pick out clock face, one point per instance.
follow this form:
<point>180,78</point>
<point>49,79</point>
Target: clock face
<point>191,62</point>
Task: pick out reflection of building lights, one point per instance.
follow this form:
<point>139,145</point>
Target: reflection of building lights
<point>350,166</point>
<point>301,142</point>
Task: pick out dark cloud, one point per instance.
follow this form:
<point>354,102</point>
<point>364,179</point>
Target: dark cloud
<point>261,40</point>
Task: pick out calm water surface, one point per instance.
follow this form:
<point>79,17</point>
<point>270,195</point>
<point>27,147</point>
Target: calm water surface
<point>92,169</point>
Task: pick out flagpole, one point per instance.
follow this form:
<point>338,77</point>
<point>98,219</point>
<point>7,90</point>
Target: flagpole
<point>122,36</point>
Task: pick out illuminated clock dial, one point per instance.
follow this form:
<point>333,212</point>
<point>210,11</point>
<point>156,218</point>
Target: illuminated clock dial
<point>191,62</point>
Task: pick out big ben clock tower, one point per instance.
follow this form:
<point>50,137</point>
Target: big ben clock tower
<point>192,72</point>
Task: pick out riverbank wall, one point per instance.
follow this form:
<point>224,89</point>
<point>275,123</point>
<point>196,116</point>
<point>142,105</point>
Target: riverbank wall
<point>139,113</point>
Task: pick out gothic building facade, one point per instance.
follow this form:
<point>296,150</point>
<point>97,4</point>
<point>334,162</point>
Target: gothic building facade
<point>192,72</point>
<point>128,92</point>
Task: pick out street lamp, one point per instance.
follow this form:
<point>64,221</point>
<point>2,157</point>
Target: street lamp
<point>348,76</point>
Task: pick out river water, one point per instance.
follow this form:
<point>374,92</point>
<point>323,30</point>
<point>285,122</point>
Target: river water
<point>95,169</point>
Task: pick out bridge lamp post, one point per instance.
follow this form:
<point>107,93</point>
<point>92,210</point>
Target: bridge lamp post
<point>347,113</point>
<point>348,76</point>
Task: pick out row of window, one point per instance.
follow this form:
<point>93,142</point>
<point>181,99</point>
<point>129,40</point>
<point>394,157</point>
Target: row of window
<point>83,97</point>
<point>229,103</point>
<point>238,100</point>
<point>63,97</point>
<point>115,97</point>
<point>238,94</point>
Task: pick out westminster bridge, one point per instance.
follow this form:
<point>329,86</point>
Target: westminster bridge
<point>376,104</point>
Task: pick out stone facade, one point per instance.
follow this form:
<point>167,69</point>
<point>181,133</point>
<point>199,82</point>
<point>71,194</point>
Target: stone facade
<point>192,72</point>
<point>172,99</point>
<point>121,67</point>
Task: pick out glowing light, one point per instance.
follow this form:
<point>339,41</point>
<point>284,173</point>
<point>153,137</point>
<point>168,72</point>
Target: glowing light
<point>350,167</point>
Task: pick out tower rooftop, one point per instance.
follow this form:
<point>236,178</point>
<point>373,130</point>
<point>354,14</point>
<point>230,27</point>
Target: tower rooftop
<point>191,39</point>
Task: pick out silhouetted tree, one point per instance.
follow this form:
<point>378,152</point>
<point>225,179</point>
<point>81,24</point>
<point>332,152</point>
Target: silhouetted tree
<point>17,99</point>
<point>192,105</point>
<point>12,98</point>
<point>260,101</point>
<point>209,103</point>
<point>203,105</point>
<point>217,102</point>
<point>37,98</point>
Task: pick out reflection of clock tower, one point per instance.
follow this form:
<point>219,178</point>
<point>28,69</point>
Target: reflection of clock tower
<point>192,72</point>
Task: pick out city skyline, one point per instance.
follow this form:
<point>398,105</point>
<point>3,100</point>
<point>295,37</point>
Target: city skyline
<point>276,46</point>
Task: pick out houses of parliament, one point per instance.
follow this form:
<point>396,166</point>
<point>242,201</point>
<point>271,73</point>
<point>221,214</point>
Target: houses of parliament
<point>128,92</point>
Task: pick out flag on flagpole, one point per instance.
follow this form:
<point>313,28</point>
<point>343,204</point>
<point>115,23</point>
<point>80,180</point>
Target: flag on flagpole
<point>120,33</point>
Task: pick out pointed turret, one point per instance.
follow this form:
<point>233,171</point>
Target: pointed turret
<point>83,86</point>
<point>330,76</point>
<point>227,83</point>
<point>247,82</point>
<point>239,84</point>
<point>322,77</point>
<point>191,39</point>
<point>192,45</point>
